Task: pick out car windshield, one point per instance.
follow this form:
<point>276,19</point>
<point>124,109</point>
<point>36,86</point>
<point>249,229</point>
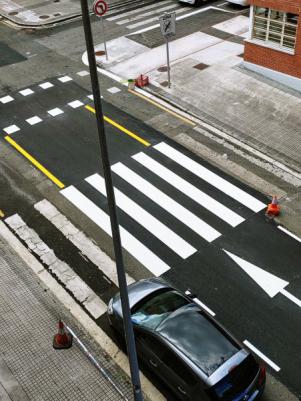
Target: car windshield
<point>152,312</point>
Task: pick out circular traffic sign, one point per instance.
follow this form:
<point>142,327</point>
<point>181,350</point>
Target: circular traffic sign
<point>100,7</point>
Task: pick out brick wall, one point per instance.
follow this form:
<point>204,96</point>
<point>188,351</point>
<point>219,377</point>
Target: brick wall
<point>276,59</point>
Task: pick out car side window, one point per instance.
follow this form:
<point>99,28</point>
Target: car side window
<point>174,363</point>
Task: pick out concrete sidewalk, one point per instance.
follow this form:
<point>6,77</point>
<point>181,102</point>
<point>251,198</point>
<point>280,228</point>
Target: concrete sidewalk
<point>30,369</point>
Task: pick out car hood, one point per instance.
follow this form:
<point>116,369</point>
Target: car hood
<point>139,290</point>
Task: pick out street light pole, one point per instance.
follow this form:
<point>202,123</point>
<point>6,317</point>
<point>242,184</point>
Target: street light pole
<point>128,326</point>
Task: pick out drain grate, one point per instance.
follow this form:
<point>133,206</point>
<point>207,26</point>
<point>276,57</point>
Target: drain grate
<point>201,66</point>
<point>164,83</point>
<point>162,69</point>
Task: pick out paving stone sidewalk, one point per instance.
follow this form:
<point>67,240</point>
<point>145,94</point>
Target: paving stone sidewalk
<point>30,369</point>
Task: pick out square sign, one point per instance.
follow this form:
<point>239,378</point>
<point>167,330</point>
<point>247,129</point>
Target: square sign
<point>168,24</point>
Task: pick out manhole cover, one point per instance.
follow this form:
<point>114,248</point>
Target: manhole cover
<point>13,13</point>
<point>57,14</point>
<point>162,69</point>
<point>44,16</point>
<point>200,66</point>
<point>100,53</point>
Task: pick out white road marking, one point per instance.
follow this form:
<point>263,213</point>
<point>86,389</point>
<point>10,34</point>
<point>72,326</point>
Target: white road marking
<point>55,112</point>
<point>65,79</point>
<point>11,129</point>
<point>26,92</point>
<point>83,73</point>
<point>145,219</point>
<point>147,21</point>
<point>144,255</point>
<point>291,297</point>
<point>197,301</point>
<point>178,211</point>
<point>34,120</point>
<point>147,14</point>
<point>46,85</point>
<point>84,244</point>
<point>262,356</point>
<point>189,190</point>
<point>137,10</point>
<point>75,104</point>
<point>6,99</point>
<point>289,233</point>
<point>213,179</point>
<point>114,89</point>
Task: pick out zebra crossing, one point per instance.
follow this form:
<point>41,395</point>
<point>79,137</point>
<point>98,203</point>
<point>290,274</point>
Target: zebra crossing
<point>146,15</point>
<point>161,203</point>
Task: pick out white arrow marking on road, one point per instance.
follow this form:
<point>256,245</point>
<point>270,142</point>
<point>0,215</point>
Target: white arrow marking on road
<point>270,283</point>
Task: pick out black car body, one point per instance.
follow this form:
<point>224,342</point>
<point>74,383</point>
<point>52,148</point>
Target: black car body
<point>185,347</point>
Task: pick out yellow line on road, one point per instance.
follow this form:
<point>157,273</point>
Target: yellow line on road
<point>1,214</point>
<point>35,162</point>
<point>121,128</point>
<point>173,113</point>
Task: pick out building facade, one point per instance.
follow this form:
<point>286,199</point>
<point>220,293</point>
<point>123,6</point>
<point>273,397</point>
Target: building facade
<point>275,36</point>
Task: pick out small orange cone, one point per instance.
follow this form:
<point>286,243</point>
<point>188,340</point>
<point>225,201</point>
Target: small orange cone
<point>62,340</point>
<point>273,207</point>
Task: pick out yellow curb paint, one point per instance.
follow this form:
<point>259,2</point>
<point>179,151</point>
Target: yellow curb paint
<point>35,162</point>
<point>121,128</point>
<point>186,120</point>
<point>1,214</point>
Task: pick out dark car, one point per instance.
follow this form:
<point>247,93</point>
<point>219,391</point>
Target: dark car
<point>185,347</point>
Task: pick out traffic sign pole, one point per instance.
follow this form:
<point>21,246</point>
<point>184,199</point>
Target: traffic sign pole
<point>100,7</point>
<point>168,63</point>
<point>127,321</point>
<point>168,29</point>
<point>104,38</point>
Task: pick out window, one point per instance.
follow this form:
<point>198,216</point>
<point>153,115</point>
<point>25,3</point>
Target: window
<point>275,27</point>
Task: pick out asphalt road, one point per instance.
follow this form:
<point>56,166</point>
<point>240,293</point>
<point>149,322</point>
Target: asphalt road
<point>67,146</point>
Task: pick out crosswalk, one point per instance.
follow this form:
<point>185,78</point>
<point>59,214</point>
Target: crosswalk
<point>161,200</point>
<point>148,14</point>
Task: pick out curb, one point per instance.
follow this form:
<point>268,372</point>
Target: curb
<point>99,336</point>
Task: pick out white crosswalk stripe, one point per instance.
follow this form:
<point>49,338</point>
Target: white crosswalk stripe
<point>215,180</point>
<point>166,202</point>
<point>147,14</point>
<point>145,219</point>
<point>191,191</point>
<point>150,20</point>
<point>144,255</point>
<point>139,10</point>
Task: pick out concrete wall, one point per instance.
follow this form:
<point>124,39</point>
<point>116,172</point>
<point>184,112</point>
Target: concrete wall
<point>274,59</point>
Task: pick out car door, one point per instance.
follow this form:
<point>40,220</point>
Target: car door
<point>150,349</point>
<point>178,375</point>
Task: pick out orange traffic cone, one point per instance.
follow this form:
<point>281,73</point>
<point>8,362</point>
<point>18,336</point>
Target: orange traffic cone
<point>62,340</point>
<point>273,207</point>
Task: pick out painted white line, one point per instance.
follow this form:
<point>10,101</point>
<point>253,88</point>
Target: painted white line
<point>213,179</point>
<point>85,245</point>
<point>46,85</point>
<point>11,129</point>
<point>189,190</point>
<point>144,255</point>
<point>65,79</point>
<point>83,73</point>
<point>147,14</point>
<point>289,233</point>
<point>167,203</point>
<point>6,99</point>
<point>197,301</point>
<point>34,120</point>
<point>261,355</point>
<point>26,92</point>
<point>114,89</point>
<point>145,219</point>
<point>55,112</point>
<point>147,21</point>
<point>291,297</point>
<point>137,10</point>
<point>75,104</point>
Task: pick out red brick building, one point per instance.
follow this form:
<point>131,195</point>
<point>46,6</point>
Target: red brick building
<point>275,36</point>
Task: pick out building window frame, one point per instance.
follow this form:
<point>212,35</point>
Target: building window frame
<point>272,32</point>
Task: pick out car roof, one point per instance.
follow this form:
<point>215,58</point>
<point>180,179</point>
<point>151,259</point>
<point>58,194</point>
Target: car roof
<point>199,339</point>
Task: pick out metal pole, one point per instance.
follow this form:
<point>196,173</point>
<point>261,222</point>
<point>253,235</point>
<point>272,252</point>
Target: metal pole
<point>128,326</point>
<point>104,38</point>
<point>168,64</point>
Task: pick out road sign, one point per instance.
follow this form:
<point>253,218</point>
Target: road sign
<point>100,7</point>
<point>168,24</point>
